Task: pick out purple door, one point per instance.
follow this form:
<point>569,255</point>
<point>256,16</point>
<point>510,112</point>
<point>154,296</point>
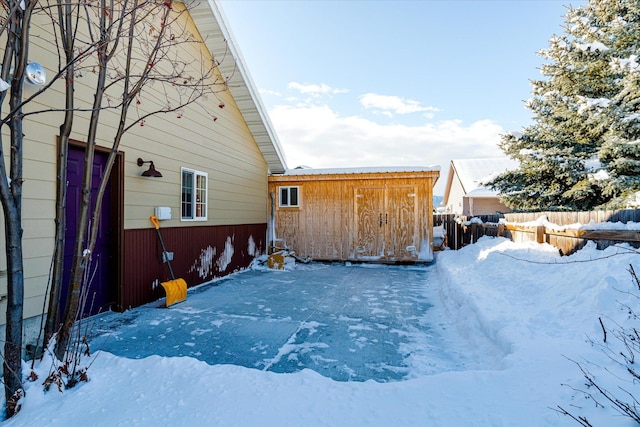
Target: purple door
<point>102,288</point>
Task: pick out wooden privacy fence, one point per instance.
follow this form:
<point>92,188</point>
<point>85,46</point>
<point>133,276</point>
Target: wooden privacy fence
<point>460,234</point>
<point>523,227</point>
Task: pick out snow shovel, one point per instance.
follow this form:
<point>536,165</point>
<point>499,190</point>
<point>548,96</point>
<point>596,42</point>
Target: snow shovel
<point>176,289</point>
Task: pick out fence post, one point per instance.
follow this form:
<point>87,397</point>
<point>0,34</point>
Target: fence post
<point>540,234</point>
<point>472,233</point>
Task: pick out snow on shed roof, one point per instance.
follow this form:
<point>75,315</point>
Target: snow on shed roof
<point>360,170</point>
<point>472,172</point>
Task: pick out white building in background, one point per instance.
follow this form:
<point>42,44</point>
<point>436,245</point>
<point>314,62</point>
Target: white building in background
<point>465,193</point>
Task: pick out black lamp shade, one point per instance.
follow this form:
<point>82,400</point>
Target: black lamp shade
<point>152,172</point>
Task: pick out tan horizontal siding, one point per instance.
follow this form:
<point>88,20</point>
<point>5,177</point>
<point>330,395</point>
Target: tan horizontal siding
<point>34,284</point>
<point>245,194</point>
<point>38,189</point>
<point>39,229</point>
<point>32,306</point>
<point>37,248</point>
<point>37,209</point>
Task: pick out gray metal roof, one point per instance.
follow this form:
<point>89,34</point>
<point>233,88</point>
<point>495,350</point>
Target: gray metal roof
<point>361,170</point>
<point>209,19</point>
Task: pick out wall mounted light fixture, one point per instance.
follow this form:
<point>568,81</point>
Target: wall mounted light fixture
<point>35,74</point>
<point>152,172</point>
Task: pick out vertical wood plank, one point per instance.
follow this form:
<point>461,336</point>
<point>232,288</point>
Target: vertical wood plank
<point>369,223</point>
<point>401,223</point>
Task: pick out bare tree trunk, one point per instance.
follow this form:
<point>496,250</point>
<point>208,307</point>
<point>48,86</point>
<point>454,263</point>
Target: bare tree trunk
<point>82,255</point>
<point>12,207</point>
<point>11,198</point>
<point>15,296</point>
<point>66,27</point>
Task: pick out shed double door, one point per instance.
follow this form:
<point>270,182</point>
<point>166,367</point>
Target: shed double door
<point>386,223</point>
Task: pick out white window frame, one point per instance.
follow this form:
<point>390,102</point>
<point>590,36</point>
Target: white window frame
<point>288,203</point>
<point>196,209</point>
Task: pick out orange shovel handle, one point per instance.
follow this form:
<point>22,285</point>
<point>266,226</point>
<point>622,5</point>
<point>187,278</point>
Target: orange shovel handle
<point>154,220</point>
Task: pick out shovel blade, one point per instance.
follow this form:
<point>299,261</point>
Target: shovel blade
<point>176,291</point>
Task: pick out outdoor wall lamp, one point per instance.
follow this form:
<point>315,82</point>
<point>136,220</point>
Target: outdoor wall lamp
<point>151,171</point>
<point>34,75</point>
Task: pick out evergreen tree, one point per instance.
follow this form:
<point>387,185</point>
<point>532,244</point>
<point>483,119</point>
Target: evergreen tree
<point>574,118</point>
<point>620,152</point>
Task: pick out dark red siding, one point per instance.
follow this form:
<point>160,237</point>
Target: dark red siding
<point>200,253</point>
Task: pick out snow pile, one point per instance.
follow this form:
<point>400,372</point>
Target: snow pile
<point>539,310</point>
<point>544,221</point>
<point>591,226</point>
<point>473,220</point>
<point>618,225</point>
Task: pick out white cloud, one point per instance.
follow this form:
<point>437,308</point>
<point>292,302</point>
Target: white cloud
<point>315,89</point>
<point>393,104</point>
<point>317,136</point>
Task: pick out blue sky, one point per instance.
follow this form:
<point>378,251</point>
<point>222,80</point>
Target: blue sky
<point>394,83</point>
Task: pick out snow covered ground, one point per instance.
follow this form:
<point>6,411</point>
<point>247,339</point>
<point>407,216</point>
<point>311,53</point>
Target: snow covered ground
<point>531,310</point>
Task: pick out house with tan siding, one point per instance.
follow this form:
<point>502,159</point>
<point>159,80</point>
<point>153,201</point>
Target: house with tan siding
<point>465,192</point>
<point>212,197</point>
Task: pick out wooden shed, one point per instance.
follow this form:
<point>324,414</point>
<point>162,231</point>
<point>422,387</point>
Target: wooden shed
<point>359,214</point>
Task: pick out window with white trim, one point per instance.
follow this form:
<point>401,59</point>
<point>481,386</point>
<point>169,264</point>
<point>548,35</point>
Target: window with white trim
<point>289,197</point>
<point>193,206</point>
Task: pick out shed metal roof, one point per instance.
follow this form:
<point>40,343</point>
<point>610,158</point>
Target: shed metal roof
<point>361,170</point>
<point>217,36</point>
